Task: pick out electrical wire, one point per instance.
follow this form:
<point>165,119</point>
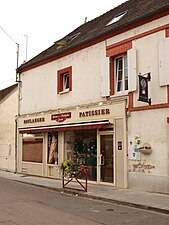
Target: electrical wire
<point>8,35</point>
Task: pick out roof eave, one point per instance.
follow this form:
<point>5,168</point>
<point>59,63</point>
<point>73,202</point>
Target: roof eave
<point>97,38</point>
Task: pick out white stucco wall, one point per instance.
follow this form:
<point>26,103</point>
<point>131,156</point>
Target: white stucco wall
<point>151,171</point>
<point>8,111</point>
<point>155,132</point>
<point>148,61</point>
<point>139,30</point>
<point>87,71</point>
<point>87,67</point>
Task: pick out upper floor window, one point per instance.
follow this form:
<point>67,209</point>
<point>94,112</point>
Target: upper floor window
<point>64,80</point>
<point>121,74</point>
<point>123,68</point>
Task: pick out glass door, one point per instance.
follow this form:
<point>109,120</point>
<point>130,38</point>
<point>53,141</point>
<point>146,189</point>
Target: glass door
<point>106,158</point>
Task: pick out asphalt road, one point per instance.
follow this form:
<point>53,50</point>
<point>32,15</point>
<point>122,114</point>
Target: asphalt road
<point>24,204</point>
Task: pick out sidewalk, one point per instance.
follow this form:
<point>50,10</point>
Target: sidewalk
<point>144,200</point>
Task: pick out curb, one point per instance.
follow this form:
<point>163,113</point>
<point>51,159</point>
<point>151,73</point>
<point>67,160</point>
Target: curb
<point>86,195</point>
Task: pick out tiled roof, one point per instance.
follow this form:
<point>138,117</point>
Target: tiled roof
<point>7,91</point>
<point>137,10</point>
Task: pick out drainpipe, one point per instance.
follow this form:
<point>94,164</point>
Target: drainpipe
<point>16,141</point>
<point>17,122</point>
<point>18,111</point>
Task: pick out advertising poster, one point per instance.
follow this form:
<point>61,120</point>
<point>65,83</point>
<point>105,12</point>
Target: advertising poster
<point>134,148</point>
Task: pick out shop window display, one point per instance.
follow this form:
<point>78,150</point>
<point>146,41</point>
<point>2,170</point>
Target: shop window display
<point>81,148</point>
<point>52,148</point>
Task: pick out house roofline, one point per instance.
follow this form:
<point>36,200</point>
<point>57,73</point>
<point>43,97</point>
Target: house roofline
<point>94,40</point>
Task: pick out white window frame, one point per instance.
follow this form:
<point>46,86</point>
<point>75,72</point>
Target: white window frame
<point>124,74</point>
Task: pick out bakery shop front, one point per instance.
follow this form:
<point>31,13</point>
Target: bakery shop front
<point>91,135</point>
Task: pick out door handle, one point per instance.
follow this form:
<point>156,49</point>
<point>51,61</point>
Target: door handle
<point>102,163</point>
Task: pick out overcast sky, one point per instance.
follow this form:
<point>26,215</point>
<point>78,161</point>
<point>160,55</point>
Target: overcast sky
<point>40,23</point>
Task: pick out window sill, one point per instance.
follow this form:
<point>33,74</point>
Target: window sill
<point>120,96</point>
<point>52,165</point>
<point>123,93</point>
<point>64,92</point>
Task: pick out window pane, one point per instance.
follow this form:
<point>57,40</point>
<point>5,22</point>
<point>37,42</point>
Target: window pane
<point>126,84</point>
<point>121,74</point>
<point>125,61</point>
<point>125,74</point>
<point>120,63</point>
<point>65,81</point>
<point>120,86</point>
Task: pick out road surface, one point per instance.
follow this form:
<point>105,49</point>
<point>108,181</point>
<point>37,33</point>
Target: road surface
<point>24,204</point>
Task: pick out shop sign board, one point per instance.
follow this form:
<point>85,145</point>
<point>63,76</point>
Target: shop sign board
<point>34,120</point>
<point>96,112</point>
<point>60,117</point>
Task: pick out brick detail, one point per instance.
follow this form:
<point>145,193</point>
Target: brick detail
<point>117,49</point>
<point>156,106</point>
<point>168,94</point>
<point>167,32</point>
<point>112,76</point>
<point>131,107</point>
<point>111,49</point>
<point>130,101</point>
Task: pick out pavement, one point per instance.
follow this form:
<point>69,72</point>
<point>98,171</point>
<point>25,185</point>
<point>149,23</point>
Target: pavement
<point>133,198</point>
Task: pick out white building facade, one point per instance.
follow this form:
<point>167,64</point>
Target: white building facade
<point>104,102</point>
<point>8,132</point>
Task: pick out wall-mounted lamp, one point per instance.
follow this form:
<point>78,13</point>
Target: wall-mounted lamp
<point>100,103</point>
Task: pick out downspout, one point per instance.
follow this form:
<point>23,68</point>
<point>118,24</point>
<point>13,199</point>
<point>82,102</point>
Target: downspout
<point>18,111</point>
<point>16,141</point>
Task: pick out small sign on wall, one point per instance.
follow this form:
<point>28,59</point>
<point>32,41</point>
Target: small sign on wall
<point>134,148</point>
<point>143,88</point>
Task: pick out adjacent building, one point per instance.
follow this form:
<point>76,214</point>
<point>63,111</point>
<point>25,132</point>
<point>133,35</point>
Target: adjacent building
<point>100,96</point>
<point>8,131</point>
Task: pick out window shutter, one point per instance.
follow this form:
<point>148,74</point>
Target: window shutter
<point>132,69</point>
<point>163,51</point>
<point>105,78</point>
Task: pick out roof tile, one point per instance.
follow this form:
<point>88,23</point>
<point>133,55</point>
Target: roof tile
<point>7,91</point>
<point>136,11</point>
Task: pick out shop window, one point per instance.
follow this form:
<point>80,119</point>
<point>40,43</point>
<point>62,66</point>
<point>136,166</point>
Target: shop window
<point>81,148</point>
<point>32,150</point>
<point>121,74</point>
<point>64,80</point>
<point>52,148</point>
